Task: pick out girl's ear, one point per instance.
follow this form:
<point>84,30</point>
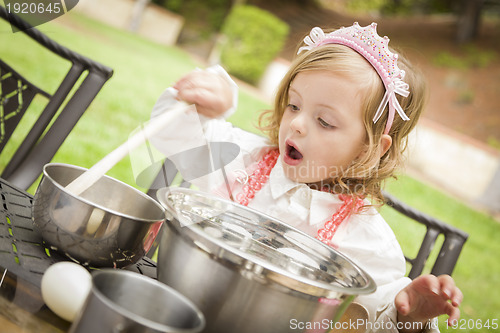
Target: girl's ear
<point>385,144</point>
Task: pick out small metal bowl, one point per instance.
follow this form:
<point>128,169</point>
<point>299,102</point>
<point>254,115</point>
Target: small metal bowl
<point>122,301</point>
<point>109,225</point>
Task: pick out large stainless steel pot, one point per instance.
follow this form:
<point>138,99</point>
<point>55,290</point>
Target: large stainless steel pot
<point>248,272</point>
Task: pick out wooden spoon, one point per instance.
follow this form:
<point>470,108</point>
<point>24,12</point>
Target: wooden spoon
<point>92,175</point>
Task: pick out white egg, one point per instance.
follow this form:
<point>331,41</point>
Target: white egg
<point>65,286</point>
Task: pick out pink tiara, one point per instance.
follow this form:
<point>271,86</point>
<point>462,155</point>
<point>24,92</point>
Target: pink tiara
<point>375,49</point>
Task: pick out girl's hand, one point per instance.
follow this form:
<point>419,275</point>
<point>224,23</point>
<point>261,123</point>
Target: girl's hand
<point>210,92</point>
<point>427,297</point>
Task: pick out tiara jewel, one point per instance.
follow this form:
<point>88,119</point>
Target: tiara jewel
<point>375,50</point>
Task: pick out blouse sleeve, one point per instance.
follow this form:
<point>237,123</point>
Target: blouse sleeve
<point>370,243</point>
<point>386,322</point>
<point>184,138</point>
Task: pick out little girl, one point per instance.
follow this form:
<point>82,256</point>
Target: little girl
<point>339,127</point>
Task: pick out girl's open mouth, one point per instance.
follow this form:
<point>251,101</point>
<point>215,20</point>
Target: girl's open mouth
<point>292,155</point>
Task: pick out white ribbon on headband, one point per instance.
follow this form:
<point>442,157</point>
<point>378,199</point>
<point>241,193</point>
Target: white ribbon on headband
<point>316,36</point>
<point>397,86</point>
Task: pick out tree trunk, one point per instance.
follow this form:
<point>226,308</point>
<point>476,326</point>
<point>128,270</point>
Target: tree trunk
<point>137,12</point>
<point>469,20</point>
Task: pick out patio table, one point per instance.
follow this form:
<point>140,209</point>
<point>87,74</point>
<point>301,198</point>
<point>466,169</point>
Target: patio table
<point>24,257</point>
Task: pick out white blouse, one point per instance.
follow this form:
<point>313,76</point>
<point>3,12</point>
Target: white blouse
<point>365,238</point>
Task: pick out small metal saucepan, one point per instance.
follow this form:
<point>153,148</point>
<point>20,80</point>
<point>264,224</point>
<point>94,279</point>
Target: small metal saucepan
<point>248,272</point>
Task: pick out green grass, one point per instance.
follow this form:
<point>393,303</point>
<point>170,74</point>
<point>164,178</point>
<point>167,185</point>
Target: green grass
<point>144,69</point>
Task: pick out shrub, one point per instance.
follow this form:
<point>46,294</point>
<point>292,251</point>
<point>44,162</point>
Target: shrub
<point>479,58</point>
<point>253,37</point>
<point>213,13</point>
<point>472,57</point>
<point>445,59</point>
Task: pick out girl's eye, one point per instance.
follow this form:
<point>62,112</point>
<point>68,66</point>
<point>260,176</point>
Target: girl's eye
<point>293,107</point>
<point>324,124</point>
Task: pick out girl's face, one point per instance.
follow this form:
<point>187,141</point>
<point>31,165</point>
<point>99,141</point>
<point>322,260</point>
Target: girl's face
<point>322,128</point>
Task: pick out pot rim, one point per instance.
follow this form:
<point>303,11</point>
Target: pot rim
<point>96,205</point>
<point>273,273</point>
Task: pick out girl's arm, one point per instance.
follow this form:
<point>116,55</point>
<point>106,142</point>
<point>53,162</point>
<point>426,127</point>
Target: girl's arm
<point>369,241</point>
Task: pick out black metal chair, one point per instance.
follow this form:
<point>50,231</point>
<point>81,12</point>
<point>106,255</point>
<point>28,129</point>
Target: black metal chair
<point>454,240</point>
<point>63,110</point>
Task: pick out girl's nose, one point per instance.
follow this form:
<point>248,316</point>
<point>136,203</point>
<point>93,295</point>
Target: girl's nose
<point>298,124</point>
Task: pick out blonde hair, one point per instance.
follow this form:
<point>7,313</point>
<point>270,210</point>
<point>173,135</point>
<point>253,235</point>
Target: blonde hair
<point>365,176</point>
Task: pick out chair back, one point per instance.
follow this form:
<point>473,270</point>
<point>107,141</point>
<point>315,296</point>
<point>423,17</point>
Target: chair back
<point>454,240</point>
<point>62,111</point>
